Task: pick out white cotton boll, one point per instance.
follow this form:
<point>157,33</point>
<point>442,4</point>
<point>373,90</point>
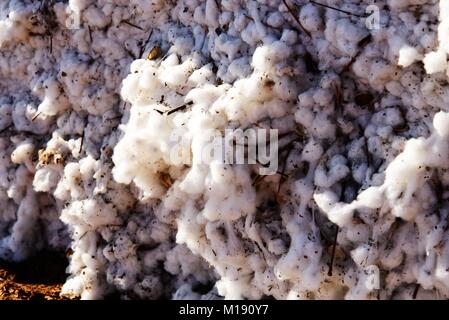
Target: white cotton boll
<point>231,289</point>
<point>148,214</point>
<point>132,92</point>
<point>381,71</point>
<point>239,68</point>
<point>304,117</point>
<point>70,185</point>
<point>199,15</point>
<point>388,116</point>
<point>79,5</point>
<point>187,231</point>
<point>372,281</point>
<point>201,76</point>
<point>435,62</point>
<point>290,37</point>
<point>399,4</point>
<point>358,233</point>
<point>185,292</point>
<point>193,182</point>
<point>325,200</point>
<point>392,258</point>
<point>275,19</point>
<point>12,31</point>
<point>95,17</point>
<point>394,88</point>
<point>323,97</point>
<point>177,75</point>
<point>260,58</point>
<point>384,132</point>
<point>310,17</point>
<point>346,36</point>
<point>211,13</point>
<point>322,127</point>
<point>337,171</point>
<point>295,260</point>
<point>285,89</point>
<point>362,255</point>
<point>91,212</point>
<point>45,179</point>
<point>182,262</point>
<point>22,115</point>
<point>408,55</point>
<point>147,79</point>
<point>5,116</point>
<point>407,211</point>
<point>339,213</point>
<point>441,273</point>
<point>130,164</point>
<point>250,34</point>
<point>228,193</point>
<point>23,238</point>
<point>206,95</point>
<point>149,288</point>
<point>21,180</point>
<point>171,61</point>
<point>84,286</point>
<point>276,246</point>
<point>160,232</point>
<point>73,287</point>
<point>225,17</point>
<point>371,197</point>
<point>54,99</point>
<point>23,154</point>
<point>87,167</point>
<point>440,123</point>
<point>113,51</point>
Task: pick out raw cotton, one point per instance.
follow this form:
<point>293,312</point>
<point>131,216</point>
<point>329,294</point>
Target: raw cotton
<point>104,110</point>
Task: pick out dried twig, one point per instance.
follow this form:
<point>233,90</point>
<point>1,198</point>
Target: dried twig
<point>290,147</point>
<point>415,292</point>
<point>331,264</point>
<point>130,53</point>
<point>296,18</point>
<point>180,108</point>
<point>6,128</point>
<point>258,179</point>
<point>336,9</point>
<point>142,49</point>
<point>338,98</point>
<point>90,33</point>
<point>362,44</point>
<point>35,116</point>
<point>368,154</point>
<point>82,142</point>
<point>132,24</point>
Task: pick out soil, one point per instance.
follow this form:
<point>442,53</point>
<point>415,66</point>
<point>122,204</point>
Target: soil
<point>38,278</point>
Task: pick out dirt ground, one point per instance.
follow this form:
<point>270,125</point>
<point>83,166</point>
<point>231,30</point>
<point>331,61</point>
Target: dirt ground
<point>38,278</point>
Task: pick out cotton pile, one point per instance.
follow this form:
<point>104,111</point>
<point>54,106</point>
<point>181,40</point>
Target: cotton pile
<point>107,108</point>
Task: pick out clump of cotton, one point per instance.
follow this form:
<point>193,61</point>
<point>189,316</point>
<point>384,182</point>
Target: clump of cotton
<point>436,61</point>
<point>110,112</point>
<point>408,55</point>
